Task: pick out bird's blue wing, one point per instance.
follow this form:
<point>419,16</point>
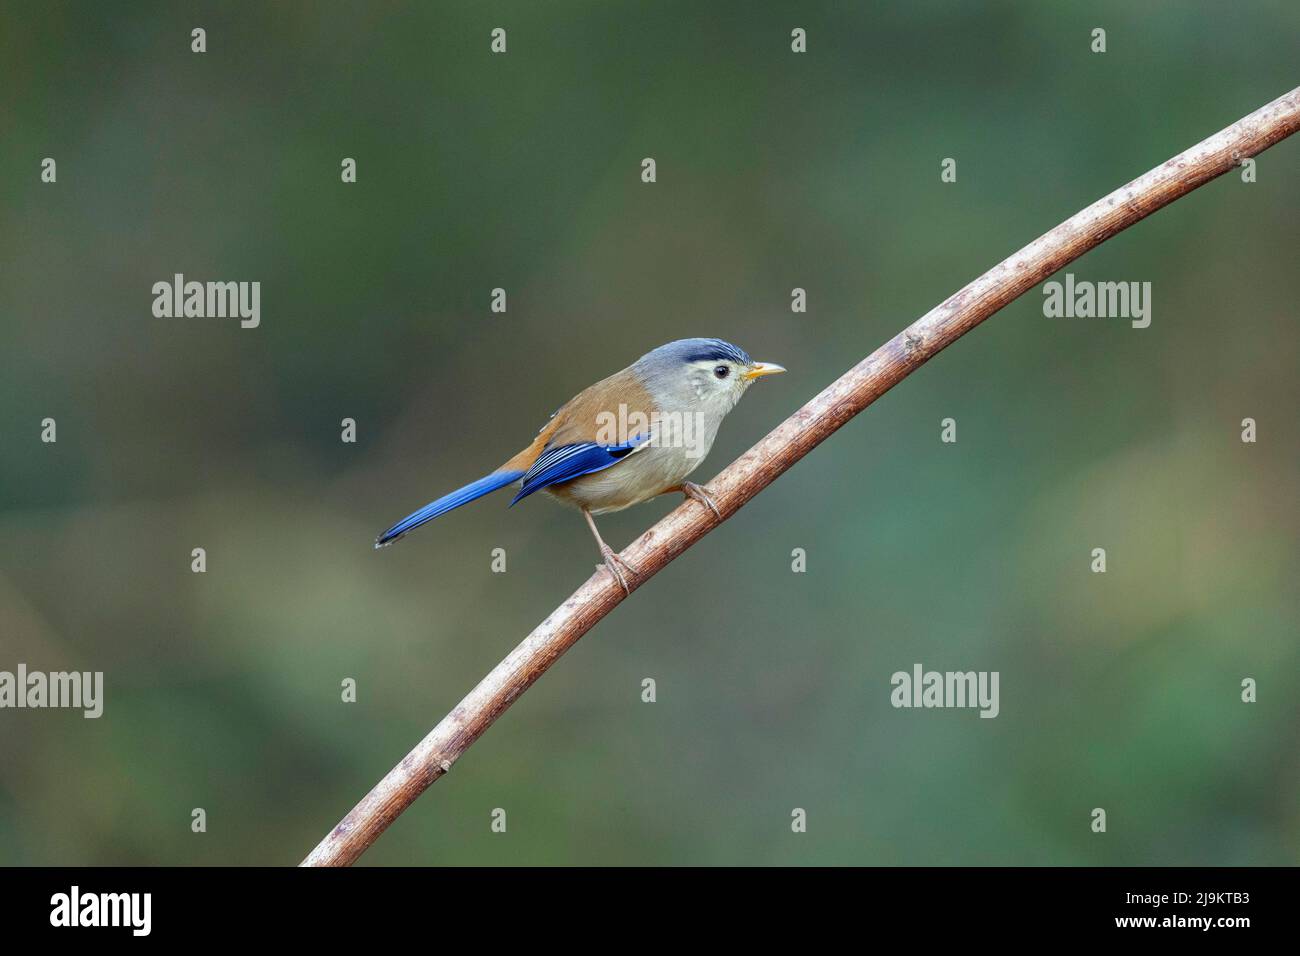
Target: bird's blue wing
<point>566,462</point>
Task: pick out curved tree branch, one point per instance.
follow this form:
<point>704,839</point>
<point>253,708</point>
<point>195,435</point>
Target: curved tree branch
<point>795,437</point>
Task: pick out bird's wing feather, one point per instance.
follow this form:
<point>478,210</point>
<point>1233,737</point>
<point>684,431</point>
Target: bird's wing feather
<point>566,462</point>
<point>577,439</point>
<point>621,399</point>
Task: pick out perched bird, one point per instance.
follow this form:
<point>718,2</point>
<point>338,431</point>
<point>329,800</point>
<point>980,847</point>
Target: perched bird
<point>624,440</point>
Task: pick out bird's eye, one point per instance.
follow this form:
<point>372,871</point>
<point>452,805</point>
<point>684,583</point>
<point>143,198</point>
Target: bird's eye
<point>722,371</point>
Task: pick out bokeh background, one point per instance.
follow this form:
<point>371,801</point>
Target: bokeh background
<point>775,170</point>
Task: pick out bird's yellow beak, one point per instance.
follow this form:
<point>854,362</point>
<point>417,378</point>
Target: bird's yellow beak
<point>759,369</point>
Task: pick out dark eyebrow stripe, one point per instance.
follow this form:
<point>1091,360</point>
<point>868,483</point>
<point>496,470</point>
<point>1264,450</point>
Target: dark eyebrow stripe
<point>718,352</point>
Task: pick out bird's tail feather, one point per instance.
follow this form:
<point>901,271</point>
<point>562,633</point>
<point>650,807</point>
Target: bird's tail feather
<point>461,496</point>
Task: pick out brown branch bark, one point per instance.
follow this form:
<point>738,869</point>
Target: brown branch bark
<point>795,437</point>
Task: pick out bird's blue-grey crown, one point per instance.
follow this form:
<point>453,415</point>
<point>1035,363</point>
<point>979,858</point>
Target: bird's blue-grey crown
<point>687,351</point>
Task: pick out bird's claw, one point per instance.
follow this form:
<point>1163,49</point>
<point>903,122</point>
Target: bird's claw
<point>696,492</point>
<point>617,566</point>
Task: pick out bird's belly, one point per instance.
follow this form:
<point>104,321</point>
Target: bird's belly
<point>639,477</point>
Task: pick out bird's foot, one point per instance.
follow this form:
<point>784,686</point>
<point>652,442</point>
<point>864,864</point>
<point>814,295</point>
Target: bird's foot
<point>696,492</point>
<point>616,566</point>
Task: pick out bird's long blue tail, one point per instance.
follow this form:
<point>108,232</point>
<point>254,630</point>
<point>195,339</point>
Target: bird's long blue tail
<point>461,496</point>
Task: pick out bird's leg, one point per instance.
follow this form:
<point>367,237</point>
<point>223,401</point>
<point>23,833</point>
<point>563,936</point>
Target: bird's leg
<point>691,490</point>
<point>613,562</point>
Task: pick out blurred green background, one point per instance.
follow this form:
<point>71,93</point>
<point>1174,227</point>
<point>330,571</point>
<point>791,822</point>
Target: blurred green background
<point>775,170</point>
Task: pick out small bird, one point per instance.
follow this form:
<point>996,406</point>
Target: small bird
<point>626,439</point>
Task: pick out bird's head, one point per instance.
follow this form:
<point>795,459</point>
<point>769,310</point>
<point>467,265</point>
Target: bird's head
<point>708,373</point>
